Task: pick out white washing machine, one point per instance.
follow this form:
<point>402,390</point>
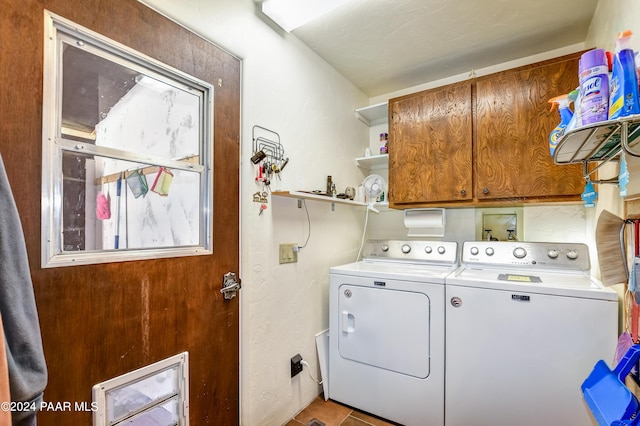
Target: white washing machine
<point>525,326</point>
<point>386,330</point>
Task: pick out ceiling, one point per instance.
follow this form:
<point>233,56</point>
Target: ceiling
<point>384,46</point>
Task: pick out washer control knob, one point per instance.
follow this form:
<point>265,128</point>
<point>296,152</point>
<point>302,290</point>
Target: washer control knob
<point>474,251</point>
<point>572,254</point>
<point>385,248</point>
<point>553,253</point>
<point>441,250</point>
<point>489,251</point>
<point>428,249</point>
<point>406,248</point>
<point>519,252</point>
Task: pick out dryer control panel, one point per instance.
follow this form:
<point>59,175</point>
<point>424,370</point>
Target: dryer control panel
<point>414,251</point>
<point>567,256</point>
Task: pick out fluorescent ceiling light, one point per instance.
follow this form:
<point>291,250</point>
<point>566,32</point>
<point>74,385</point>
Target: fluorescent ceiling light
<point>291,14</point>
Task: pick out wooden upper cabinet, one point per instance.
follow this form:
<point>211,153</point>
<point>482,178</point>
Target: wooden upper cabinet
<point>513,123</point>
<point>482,142</point>
<point>430,146</point>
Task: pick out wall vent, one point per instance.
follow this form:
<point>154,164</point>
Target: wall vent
<point>157,394</point>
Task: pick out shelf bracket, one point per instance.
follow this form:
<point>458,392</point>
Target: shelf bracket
<point>586,173</point>
<point>362,118</point>
<point>624,137</point>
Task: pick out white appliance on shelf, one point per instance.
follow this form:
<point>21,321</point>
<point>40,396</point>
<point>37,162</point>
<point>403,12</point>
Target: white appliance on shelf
<point>525,325</point>
<point>386,330</point>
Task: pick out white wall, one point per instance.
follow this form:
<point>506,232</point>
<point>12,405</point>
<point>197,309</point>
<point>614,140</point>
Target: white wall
<point>288,89</point>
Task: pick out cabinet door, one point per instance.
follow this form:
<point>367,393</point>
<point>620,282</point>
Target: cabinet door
<point>430,146</point>
<point>513,125</point>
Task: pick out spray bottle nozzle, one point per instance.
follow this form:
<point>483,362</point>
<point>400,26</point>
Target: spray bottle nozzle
<point>561,101</point>
<point>624,34</point>
<point>623,40</point>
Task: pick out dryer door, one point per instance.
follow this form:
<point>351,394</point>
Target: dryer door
<point>385,328</point>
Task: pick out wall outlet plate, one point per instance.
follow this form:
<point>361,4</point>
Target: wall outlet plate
<point>287,254</point>
<point>296,365</point>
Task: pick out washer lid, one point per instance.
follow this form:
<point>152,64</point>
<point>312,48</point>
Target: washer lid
<point>532,281</point>
<point>396,270</point>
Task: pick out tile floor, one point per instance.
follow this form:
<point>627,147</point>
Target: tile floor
<point>332,413</point>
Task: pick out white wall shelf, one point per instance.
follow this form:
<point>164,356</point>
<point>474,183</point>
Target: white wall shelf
<point>301,195</point>
<point>373,162</point>
<point>373,114</point>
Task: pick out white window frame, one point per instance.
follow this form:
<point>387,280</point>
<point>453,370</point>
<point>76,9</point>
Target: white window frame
<point>54,144</point>
<point>102,415</point>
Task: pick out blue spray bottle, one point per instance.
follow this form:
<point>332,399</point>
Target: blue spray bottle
<point>623,96</point>
<point>562,102</point>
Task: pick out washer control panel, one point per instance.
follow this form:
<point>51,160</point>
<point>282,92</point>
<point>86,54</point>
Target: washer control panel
<point>416,251</point>
<point>568,256</point>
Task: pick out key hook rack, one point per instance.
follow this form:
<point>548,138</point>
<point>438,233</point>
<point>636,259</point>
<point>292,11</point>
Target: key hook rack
<point>267,148</point>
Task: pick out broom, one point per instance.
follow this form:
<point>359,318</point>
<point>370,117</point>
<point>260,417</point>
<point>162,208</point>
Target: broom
<point>610,246</point>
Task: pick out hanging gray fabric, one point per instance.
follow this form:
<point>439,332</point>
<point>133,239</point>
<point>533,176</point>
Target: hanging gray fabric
<point>25,356</point>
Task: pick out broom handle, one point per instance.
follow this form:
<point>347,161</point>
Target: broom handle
<point>636,235</point>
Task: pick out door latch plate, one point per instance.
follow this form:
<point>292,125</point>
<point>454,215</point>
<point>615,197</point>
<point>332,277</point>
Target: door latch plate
<point>230,285</point>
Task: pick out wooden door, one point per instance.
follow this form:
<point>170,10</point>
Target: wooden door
<point>100,321</point>
<point>513,123</point>
<point>430,146</point>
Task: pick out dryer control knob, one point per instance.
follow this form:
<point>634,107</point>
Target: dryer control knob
<point>519,252</point>
<point>441,250</point>
<point>553,253</point>
<point>572,254</point>
<point>385,248</point>
<point>489,251</point>
<point>406,248</point>
<point>474,251</point>
<point>428,249</point>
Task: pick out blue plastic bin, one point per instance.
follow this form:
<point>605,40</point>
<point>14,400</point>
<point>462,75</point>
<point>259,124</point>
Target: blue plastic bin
<point>610,401</point>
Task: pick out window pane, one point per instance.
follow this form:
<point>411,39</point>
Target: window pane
<point>163,415</point>
<point>154,207</point>
<point>128,399</point>
<point>114,106</point>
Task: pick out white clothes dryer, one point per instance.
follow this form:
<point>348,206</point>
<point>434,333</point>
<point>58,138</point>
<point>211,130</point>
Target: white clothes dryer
<point>386,330</point>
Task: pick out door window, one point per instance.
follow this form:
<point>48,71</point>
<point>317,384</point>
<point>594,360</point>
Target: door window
<point>127,153</point>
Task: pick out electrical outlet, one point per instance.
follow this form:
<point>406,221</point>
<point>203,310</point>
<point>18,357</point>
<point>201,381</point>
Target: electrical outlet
<point>288,254</point>
<point>296,365</point>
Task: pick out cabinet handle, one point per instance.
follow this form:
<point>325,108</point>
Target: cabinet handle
<point>463,192</point>
<point>485,190</point>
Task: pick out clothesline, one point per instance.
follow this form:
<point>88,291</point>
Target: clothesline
<point>149,170</point>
